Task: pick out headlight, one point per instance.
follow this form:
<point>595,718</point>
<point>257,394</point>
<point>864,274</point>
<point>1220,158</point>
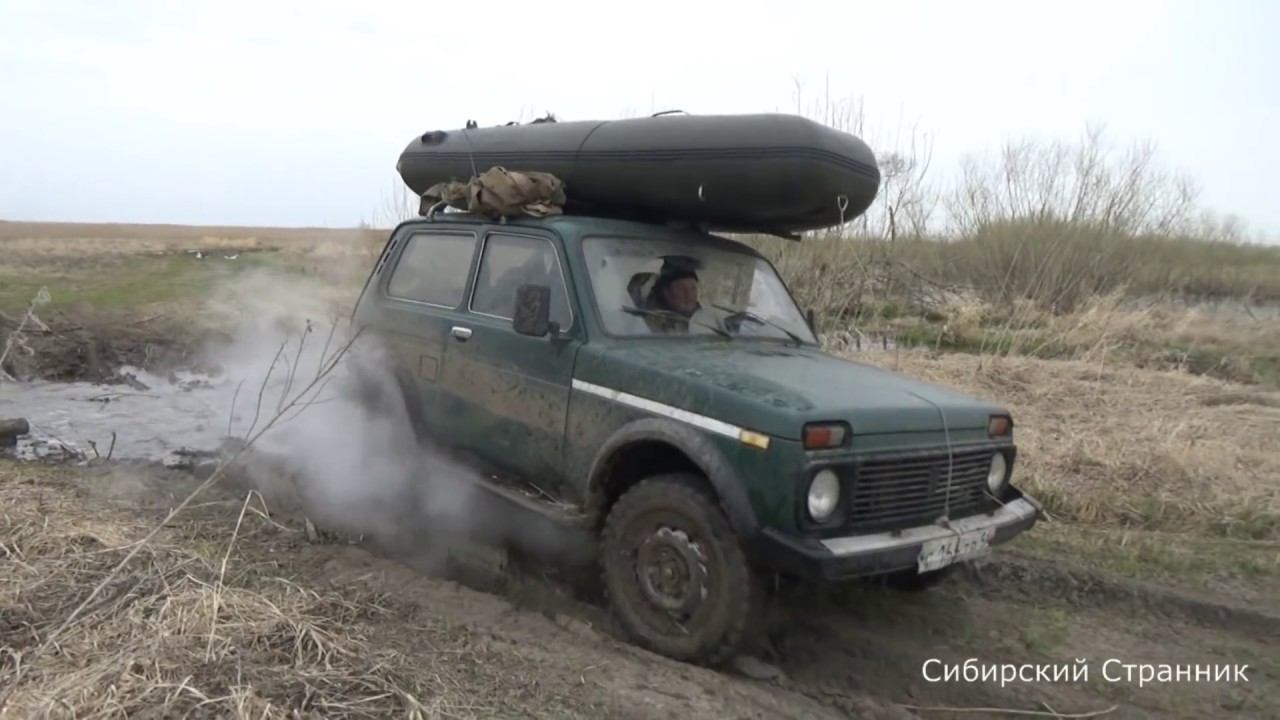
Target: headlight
<point>995,476</point>
<point>824,493</point>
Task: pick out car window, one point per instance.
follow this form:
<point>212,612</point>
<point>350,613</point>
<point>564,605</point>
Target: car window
<point>700,288</point>
<point>433,269</point>
<point>509,261</point>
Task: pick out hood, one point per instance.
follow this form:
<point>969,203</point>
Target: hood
<point>776,389</point>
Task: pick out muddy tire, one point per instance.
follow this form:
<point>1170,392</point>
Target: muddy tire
<point>913,581</point>
<point>674,571</point>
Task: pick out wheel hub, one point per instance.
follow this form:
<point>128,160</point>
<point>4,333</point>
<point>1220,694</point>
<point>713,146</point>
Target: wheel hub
<point>672,571</point>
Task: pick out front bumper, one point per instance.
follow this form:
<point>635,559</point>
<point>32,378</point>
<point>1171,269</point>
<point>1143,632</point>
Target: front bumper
<point>882,552</point>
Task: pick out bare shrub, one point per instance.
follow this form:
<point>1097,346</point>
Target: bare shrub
<point>1054,223</point>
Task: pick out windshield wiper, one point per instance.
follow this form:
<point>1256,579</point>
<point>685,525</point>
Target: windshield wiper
<point>668,314</point>
<point>748,315</point>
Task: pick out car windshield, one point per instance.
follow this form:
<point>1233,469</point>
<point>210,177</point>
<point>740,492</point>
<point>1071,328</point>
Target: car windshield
<point>661,287</point>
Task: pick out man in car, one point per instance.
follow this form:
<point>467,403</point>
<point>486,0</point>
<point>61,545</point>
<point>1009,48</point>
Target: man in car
<point>674,291</point>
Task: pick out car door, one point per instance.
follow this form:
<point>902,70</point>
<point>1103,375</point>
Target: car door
<point>427,283</point>
<point>515,388</point>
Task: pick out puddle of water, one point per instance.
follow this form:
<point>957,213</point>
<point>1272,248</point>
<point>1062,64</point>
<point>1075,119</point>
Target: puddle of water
<point>166,419</point>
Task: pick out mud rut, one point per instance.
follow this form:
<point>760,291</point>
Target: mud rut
<point>854,651</point>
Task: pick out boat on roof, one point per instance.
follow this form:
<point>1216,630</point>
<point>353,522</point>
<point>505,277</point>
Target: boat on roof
<point>770,172</point>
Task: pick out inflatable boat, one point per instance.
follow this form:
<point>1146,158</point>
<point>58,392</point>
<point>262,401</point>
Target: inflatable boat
<point>737,173</point>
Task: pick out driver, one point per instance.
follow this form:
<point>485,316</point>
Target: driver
<point>675,291</point>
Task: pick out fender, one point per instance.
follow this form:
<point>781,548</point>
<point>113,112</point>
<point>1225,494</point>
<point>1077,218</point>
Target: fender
<point>697,447</point>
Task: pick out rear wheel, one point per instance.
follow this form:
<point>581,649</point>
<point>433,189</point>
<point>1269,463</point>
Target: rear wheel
<point>675,573</point>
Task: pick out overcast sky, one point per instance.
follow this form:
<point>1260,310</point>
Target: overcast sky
<point>293,113</point>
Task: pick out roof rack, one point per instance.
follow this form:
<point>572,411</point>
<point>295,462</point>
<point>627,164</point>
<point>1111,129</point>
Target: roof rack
<point>697,226</point>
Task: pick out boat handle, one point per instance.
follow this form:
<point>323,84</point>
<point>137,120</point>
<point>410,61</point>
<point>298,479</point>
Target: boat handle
<point>461,333</point>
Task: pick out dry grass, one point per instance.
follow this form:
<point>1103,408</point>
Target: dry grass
<point>158,269</point>
<point>205,620</point>
<point>153,638</point>
<point>1057,266</point>
<point>1199,339</point>
<point>1232,339</point>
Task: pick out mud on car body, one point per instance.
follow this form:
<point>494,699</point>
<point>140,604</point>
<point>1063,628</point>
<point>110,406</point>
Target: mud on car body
<point>671,404</point>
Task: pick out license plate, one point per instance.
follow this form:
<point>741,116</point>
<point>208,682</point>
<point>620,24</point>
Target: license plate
<point>945,551</point>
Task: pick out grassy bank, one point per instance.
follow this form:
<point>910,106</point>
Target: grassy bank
<point>1057,265</point>
<point>1208,307</point>
<point>1225,330</point>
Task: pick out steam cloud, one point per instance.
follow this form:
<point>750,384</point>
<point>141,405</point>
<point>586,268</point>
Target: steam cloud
<point>345,453</point>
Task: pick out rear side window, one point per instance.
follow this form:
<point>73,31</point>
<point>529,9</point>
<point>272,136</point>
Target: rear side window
<point>433,269</point>
<point>510,261</point>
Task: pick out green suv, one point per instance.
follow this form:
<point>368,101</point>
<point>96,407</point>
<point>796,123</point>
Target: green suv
<point>654,394</point>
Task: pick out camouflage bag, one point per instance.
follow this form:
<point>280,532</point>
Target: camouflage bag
<point>500,193</point>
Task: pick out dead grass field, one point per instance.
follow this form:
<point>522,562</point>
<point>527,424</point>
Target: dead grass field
<point>1149,432</point>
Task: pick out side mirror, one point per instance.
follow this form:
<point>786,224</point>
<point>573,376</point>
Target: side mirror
<point>532,315</point>
<point>808,318</point>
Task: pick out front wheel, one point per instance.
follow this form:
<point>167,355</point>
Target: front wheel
<point>675,573</point>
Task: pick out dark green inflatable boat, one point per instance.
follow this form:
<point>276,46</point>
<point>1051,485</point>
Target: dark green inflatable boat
<point>737,173</point>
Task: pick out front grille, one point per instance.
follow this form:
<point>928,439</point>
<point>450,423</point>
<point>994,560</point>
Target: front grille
<point>892,493</point>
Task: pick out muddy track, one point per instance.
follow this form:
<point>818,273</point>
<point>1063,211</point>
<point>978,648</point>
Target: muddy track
<point>863,654</point>
<point>875,645</point>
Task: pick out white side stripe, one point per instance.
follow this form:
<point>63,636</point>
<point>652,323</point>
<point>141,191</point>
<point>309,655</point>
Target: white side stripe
<point>657,408</point>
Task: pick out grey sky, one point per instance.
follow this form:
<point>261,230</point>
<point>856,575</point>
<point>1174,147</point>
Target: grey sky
<point>293,113</point>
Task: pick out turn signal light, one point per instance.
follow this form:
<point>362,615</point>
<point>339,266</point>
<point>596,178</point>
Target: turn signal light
<point>819,437</point>
<point>999,426</point>
<point>756,440</point>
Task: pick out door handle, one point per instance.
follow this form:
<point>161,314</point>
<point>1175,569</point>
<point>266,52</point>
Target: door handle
<point>461,333</point>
